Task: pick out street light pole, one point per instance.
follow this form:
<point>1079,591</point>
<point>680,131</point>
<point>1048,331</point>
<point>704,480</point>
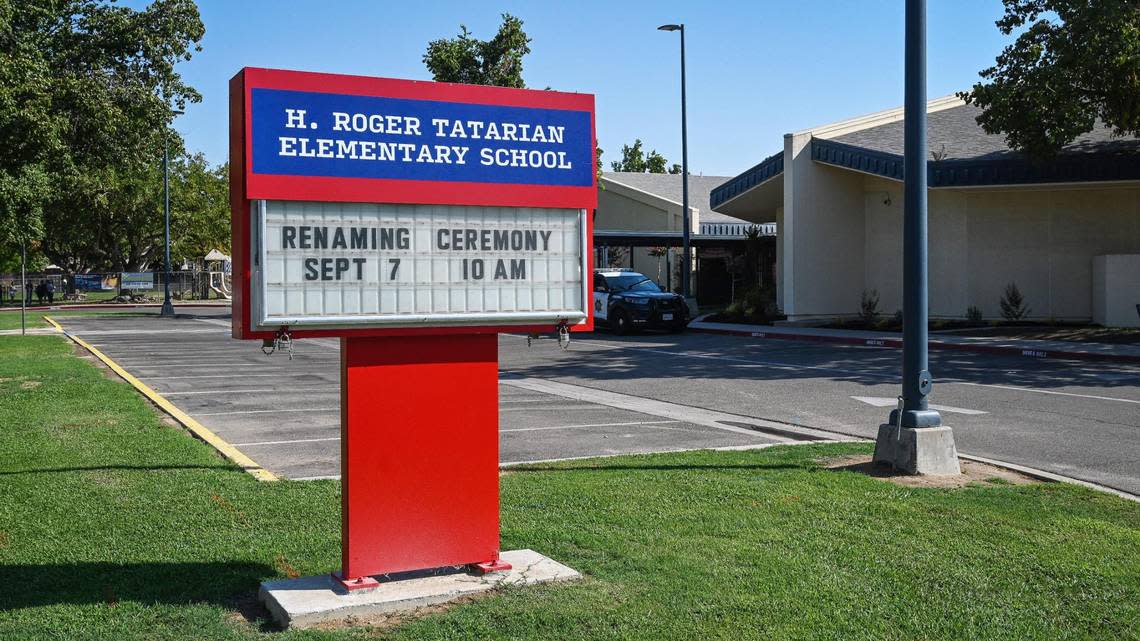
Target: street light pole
<point>167,305</point>
<point>686,251</point>
<point>915,441</point>
<point>23,284</point>
<point>916,378</point>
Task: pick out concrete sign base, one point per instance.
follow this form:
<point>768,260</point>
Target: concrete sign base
<point>924,450</point>
<point>308,601</point>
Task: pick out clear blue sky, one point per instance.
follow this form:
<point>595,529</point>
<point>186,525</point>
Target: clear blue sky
<point>756,68</point>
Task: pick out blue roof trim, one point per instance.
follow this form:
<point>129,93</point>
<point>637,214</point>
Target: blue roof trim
<point>768,168</point>
<point>1076,167</point>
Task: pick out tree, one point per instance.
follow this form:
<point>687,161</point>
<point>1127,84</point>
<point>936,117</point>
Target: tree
<point>1075,62</point>
<point>200,208</point>
<point>86,89</point>
<point>466,59</point>
<point>1013,304</point>
<point>634,159</point>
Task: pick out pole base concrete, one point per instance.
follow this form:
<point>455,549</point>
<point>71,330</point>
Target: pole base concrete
<point>921,450</point>
<point>311,600</point>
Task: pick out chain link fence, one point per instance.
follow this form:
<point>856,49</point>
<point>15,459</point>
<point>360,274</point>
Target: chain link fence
<point>45,288</point>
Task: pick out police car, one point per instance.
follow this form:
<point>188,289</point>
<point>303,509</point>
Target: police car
<point>626,300</point>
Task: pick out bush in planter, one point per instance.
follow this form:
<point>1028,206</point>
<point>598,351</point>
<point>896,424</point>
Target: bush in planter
<point>974,314</point>
<point>1013,304</point>
<point>869,307</point>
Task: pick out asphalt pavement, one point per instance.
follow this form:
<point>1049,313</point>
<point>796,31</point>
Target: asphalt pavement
<point>612,395</point>
<point>1075,418</point>
<point>285,414</point>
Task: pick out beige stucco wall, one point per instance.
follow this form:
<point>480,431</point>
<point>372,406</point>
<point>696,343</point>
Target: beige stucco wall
<point>619,211</point>
<point>822,238</point>
<point>1042,239</point>
<point>1116,290</point>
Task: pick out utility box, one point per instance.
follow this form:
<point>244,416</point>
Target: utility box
<point>1116,290</point>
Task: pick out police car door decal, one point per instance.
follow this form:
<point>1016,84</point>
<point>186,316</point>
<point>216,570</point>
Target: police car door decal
<point>601,301</point>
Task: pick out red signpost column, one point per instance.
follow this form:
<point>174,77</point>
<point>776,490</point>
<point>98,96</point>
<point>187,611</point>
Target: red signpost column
<point>419,453</point>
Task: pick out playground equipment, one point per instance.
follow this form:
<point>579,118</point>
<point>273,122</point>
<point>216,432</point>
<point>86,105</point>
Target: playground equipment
<point>220,273</point>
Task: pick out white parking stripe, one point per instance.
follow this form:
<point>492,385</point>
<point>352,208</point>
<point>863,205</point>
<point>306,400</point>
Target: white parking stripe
<point>684,413</point>
<point>240,391</point>
<point>555,407</point>
<point>571,427</point>
<point>300,440</point>
<point>1045,391</point>
<point>171,378</point>
<point>300,409</point>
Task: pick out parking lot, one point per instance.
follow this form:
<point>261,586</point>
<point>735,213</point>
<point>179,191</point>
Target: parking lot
<point>284,414</point>
<point>610,395</point>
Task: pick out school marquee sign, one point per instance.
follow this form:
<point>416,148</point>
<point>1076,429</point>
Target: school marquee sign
<point>414,221</point>
<point>390,203</point>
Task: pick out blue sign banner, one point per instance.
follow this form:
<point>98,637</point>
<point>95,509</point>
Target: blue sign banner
<point>96,282</point>
<point>301,133</point>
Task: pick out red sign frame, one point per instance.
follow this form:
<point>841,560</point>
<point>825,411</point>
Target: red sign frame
<point>247,186</point>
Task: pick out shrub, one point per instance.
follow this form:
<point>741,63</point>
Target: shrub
<point>869,306</point>
<point>1013,304</point>
<point>974,314</point>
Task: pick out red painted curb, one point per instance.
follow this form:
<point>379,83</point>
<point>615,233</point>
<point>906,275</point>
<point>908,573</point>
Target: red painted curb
<point>934,344</point>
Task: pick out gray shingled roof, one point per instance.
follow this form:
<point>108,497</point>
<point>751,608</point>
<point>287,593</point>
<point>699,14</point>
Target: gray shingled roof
<point>959,132</point>
<point>668,186</point>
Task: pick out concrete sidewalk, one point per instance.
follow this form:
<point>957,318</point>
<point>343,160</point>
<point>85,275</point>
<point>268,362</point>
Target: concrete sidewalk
<point>982,344</point>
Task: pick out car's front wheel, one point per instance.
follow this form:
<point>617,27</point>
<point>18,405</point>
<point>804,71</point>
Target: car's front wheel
<point>621,322</point>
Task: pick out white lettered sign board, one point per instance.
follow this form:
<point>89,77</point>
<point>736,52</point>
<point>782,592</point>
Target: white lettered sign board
<point>334,265</point>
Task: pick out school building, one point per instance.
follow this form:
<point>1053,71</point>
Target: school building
<point>1065,231</point>
<point>638,225</point>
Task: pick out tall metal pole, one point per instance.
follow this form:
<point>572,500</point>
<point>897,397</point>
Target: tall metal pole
<point>916,380</point>
<point>167,305</point>
<point>23,285</point>
<point>687,262</point>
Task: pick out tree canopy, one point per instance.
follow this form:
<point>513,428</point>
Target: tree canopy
<point>466,59</point>
<point>87,90</point>
<point>634,158</point>
<point>1073,62</point>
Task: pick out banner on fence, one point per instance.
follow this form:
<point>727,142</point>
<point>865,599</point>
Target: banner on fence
<point>96,282</point>
<point>138,280</point>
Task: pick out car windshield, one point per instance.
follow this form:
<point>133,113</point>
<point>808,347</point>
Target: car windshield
<point>632,282</point>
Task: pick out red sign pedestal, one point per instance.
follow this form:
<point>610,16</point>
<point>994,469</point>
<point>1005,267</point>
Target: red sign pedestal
<point>419,454</point>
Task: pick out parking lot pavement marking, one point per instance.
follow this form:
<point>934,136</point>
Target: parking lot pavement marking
<point>552,408</point>
<point>150,331</point>
<point>299,440</point>
<point>201,431</point>
<point>685,413</point>
<point>180,377</point>
<point>883,401</point>
<point>571,427</point>
<point>1043,391</point>
<point>299,409</point>
<point>243,391</point>
<point>270,390</point>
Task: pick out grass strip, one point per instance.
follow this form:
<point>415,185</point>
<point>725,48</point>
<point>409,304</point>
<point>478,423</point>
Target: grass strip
<point>116,526</point>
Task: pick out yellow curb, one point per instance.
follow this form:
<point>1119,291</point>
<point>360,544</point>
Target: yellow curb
<point>201,431</point>
<point>51,321</point>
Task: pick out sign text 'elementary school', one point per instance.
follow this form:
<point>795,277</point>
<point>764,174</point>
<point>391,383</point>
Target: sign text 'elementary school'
<point>309,133</point>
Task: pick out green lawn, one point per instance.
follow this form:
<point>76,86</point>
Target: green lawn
<point>114,526</point>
